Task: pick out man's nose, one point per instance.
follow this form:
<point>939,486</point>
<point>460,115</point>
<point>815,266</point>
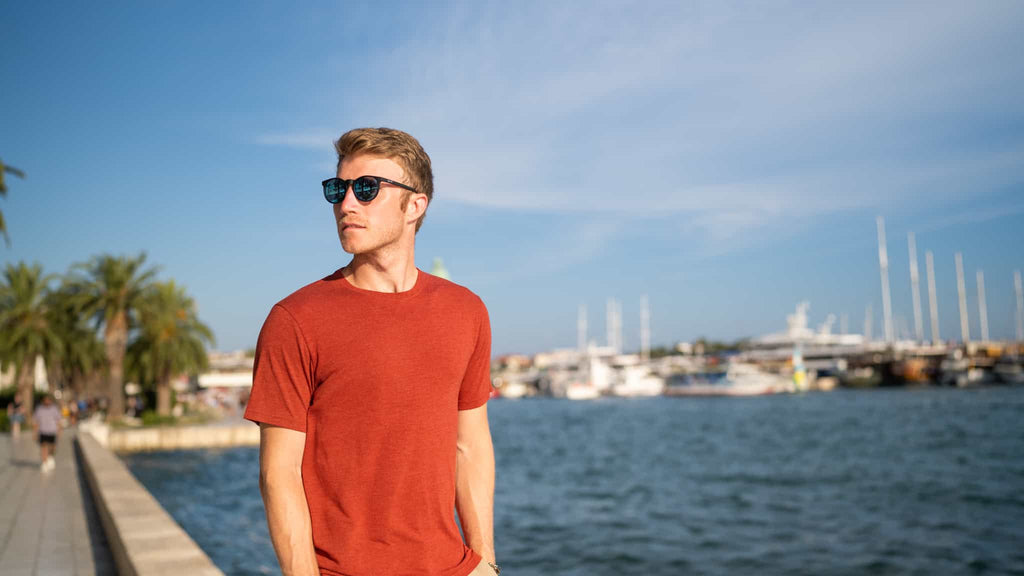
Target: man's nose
<point>349,203</point>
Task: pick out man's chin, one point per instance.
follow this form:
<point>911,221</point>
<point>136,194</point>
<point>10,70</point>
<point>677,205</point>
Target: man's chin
<point>349,247</point>
<point>354,248</point>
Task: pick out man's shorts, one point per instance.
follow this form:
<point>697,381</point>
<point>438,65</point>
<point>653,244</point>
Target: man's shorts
<point>50,439</point>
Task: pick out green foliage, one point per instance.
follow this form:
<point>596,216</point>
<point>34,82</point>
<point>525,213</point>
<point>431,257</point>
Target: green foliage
<point>151,418</point>
<point>663,351</point>
<point>156,321</point>
<point>5,169</point>
<point>81,352</point>
<point>712,347</point>
<point>171,339</point>
<point>110,290</point>
<point>26,329</point>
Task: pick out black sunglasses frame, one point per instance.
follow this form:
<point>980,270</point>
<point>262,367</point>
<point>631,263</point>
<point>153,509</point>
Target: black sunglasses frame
<point>373,189</point>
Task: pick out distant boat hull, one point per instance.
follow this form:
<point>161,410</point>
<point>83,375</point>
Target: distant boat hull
<point>581,392</point>
<point>720,390</point>
<point>740,380</point>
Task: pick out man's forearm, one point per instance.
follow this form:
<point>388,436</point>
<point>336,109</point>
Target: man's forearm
<point>474,496</point>
<point>288,522</point>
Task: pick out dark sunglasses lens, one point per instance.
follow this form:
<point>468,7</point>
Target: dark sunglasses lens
<point>365,188</point>
<point>334,190</point>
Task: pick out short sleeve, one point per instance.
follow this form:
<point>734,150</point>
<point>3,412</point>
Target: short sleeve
<point>282,378</point>
<point>476,383</point>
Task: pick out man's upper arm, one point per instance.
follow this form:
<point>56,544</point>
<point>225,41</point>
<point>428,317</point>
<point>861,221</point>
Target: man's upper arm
<point>280,448</point>
<point>473,427</point>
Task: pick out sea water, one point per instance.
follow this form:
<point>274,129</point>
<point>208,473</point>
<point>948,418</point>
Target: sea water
<point>901,481</point>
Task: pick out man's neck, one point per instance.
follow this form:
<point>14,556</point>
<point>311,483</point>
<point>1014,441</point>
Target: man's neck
<point>394,272</point>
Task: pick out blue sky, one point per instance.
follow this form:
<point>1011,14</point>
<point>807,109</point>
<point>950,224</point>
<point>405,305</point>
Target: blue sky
<point>728,160</point>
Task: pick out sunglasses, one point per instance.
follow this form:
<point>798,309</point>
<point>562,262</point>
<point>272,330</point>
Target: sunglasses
<point>365,188</point>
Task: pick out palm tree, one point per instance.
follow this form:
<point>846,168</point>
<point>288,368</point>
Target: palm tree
<point>171,341</point>
<point>26,331</point>
<point>81,353</point>
<point>110,289</point>
<point>3,192</point>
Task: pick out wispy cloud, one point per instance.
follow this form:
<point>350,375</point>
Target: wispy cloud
<point>318,140</point>
<point>736,119</point>
<point>975,215</point>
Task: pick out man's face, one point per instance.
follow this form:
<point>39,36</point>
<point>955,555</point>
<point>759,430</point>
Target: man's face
<point>365,227</point>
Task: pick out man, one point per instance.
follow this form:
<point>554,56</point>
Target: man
<point>47,426</point>
<point>370,387</point>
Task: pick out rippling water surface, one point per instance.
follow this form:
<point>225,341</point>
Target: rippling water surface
<point>926,481</point>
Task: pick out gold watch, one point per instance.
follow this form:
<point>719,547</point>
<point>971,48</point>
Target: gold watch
<point>497,569</point>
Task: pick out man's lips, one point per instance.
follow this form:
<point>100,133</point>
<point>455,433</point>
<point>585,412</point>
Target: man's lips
<point>347,225</point>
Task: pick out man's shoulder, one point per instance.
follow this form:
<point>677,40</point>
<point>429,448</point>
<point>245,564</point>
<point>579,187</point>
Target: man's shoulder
<point>456,292</point>
<point>312,296</point>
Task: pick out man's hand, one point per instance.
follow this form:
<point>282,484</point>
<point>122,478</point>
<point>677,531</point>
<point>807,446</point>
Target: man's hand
<point>483,569</point>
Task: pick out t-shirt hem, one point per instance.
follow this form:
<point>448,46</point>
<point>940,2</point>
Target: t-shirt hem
<point>476,403</point>
<point>274,420</point>
<point>474,561</point>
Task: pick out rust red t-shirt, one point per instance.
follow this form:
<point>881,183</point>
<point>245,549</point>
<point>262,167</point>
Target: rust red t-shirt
<point>376,381</point>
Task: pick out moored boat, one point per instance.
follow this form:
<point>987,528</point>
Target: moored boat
<point>741,379</point>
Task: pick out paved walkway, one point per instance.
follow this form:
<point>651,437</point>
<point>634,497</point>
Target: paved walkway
<point>47,527</point>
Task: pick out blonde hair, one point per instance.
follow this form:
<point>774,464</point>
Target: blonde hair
<point>394,145</point>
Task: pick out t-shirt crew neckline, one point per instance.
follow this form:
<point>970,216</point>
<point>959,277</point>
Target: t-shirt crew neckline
<point>390,296</point>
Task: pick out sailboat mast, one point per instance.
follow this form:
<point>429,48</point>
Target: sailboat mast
<point>883,262</point>
<point>982,308</point>
<point>1020,305</point>
<point>961,288</point>
<point>933,303</point>
<point>916,288</point>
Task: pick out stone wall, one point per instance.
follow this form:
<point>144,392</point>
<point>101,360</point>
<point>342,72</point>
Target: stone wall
<point>143,538</point>
<point>182,437</point>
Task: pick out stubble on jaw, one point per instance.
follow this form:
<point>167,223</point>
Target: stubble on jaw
<point>387,236</point>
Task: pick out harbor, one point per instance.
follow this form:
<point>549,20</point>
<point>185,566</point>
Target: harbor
<point>798,359</point>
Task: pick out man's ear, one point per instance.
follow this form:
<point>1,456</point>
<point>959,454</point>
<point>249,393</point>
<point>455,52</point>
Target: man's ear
<point>416,207</point>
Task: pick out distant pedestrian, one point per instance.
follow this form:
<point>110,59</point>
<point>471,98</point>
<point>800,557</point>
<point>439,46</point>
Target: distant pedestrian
<point>16,414</point>
<point>47,425</point>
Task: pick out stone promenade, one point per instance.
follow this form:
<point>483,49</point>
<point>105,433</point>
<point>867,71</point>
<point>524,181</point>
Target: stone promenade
<point>48,522</point>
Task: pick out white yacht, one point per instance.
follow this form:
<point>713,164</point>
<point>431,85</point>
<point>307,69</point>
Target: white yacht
<point>741,379</point>
<point>638,381</point>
